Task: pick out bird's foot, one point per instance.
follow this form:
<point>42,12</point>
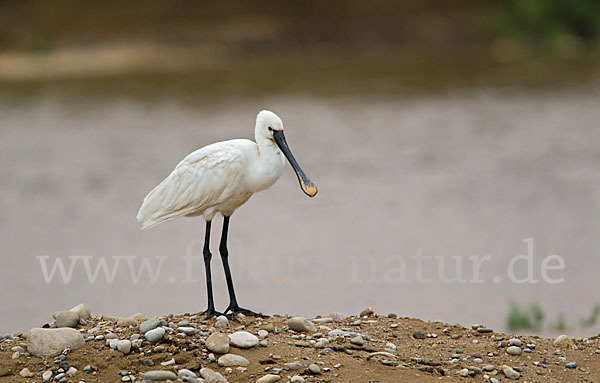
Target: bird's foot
<point>232,310</point>
<point>210,313</point>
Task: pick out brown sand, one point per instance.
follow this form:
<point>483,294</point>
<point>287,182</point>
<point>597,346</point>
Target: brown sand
<point>419,360</point>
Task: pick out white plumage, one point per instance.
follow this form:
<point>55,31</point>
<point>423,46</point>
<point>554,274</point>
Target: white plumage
<point>221,177</point>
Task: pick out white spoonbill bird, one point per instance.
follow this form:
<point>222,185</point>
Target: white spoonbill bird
<point>219,178</point>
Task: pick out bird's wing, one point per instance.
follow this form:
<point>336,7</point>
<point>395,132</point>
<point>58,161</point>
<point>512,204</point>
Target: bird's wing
<point>205,178</point>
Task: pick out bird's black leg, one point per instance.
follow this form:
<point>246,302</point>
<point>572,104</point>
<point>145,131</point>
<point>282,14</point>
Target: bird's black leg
<point>233,307</point>
<point>210,311</point>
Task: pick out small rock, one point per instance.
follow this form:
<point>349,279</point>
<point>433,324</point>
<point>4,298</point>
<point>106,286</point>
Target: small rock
<point>188,330</point>
<point>418,335</point>
<point>357,340</point>
<point>513,350</point>
<point>218,342</point>
<point>124,346</point>
<point>515,342</point>
<point>563,341</point>
<point>293,366</point>
<point>211,376</point>
<point>160,375</point>
<point>262,334</point>
<point>270,378</point>
<point>46,342</point>
<point>301,324</point>
<point>148,325</point>
<point>243,339</point>
<point>571,365</point>
<point>314,369</point>
<point>155,335</point>
<point>186,372</point>
<point>25,373</point>
<point>222,321</point>
<point>126,322</point>
<point>71,371</point>
<point>65,319</point>
<point>82,310</point>
<point>510,373</point>
<point>366,312</point>
<point>232,360</point>
<point>47,375</point>
<point>297,379</point>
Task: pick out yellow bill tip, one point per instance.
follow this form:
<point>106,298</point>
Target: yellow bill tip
<point>310,189</point>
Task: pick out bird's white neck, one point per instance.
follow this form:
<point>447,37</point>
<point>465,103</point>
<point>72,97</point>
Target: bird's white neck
<point>269,165</point>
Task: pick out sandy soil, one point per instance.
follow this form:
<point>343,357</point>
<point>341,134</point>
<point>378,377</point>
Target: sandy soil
<point>445,350</point>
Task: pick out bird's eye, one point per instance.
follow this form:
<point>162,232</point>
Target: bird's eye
<point>270,129</point>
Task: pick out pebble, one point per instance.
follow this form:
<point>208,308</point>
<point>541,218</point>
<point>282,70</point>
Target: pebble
<point>46,342</point>
<point>357,340</point>
<point>25,373</point>
<point>571,365</point>
<point>563,341</point>
<point>494,380</point>
<point>513,350</point>
<point>301,324</point>
<point>418,335</point>
<point>65,319</point>
<point>366,312</point>
<point>515,342</point>
<point>293,365</point>
<point>270,378</point>
<point>82,310</point>
<point>211,376</point>
<point>243,339</point>
<point>218,342</point>
<point>510,373</point>
<point>71,371</point>
<point>489,367</point>
<point>232,360</point>
<point>186,372</point>
<point>124,346</point>
<point>262,334</point>
<point>222,321</point>
<point>126,322</point>
<point>464,372</point>
<point>188,330</point>
<point>148,325</point>
<point>47,375</point>
<point>155,335</point>
<point>297,379</point>
<point>160,375</point>
<point>314,369</point>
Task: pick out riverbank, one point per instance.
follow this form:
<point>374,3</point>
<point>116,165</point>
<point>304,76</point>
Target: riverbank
<point>330,348</point>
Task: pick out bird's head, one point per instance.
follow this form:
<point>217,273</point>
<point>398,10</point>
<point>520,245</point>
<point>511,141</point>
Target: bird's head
<point>269,126</point>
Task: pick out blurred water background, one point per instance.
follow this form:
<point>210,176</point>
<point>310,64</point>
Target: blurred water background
<point>444,128</point>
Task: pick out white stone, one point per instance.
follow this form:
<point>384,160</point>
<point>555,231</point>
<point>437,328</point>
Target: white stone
<point>124,346</point>
<point>301,324</point>
<point>218,342</point>
<point>211,376</point>
<point>243,339</point>
<point>564,342</point>
<point>46,342</point>
<point>270,378</point>
<point>82,310</point>
<point>232,360</point>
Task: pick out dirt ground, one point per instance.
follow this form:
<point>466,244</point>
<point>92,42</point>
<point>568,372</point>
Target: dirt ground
<point>425,352</point>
